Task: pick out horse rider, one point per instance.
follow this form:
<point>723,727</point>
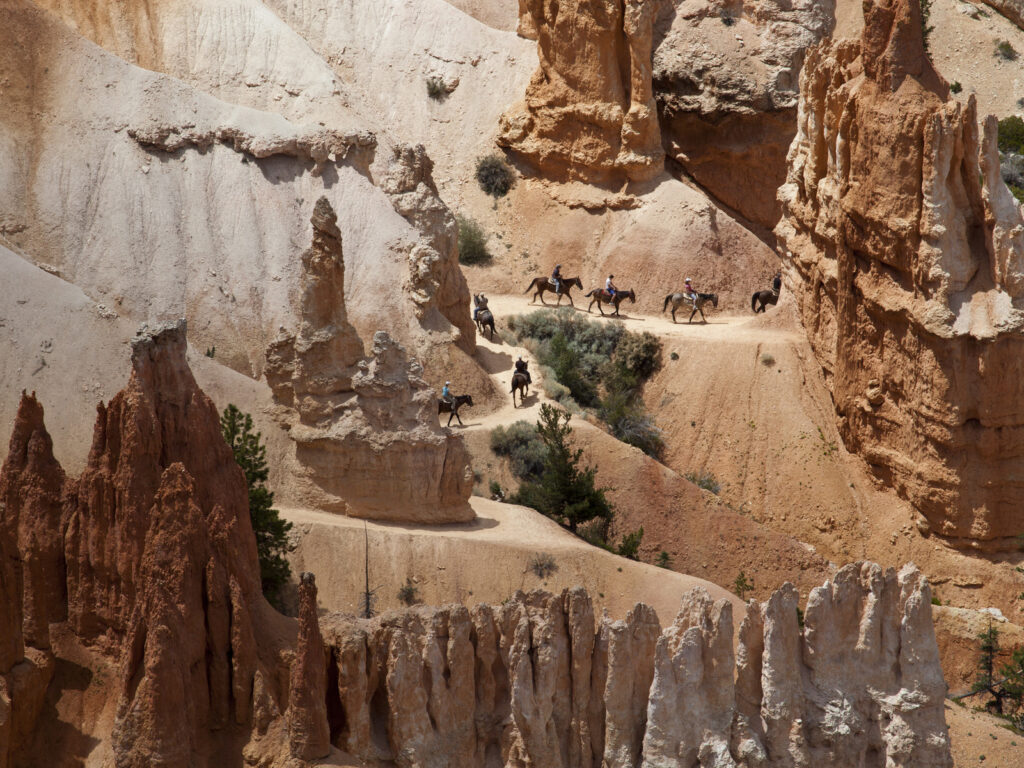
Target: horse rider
<point>777,283</point>
<point>446,394</point>
<point>521,367</point>
<point>689,291</point>
<point>610,288</point>
<point>556,278</point>
<point>481,303</point>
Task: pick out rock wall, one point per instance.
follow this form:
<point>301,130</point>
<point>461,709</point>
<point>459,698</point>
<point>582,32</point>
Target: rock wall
<point>148,562</point>
<point>538,682</point>
<point>366,433</point>
<point>589,110</point>
<point>905,253</point>
<point>726,79</point>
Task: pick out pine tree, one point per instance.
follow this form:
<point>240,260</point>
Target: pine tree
<point>271,531</point>
<point>986,682</point>
<point>564,492</point>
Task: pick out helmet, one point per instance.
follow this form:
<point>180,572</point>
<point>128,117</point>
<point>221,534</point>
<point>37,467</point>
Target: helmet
<point>688,280</point>
<point>447,383</point>
<point>558,266</point>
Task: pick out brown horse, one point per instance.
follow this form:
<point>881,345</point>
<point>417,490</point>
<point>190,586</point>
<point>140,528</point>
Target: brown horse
<point>678,299</point>
<point>519,383</point>
<point>443,406</point>
<point>542,284</point>
<point>765,298</point>
<point>601,297</point>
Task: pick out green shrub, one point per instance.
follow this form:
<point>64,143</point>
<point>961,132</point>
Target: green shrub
<point>742,585</point>
<point>494,175</point>
<point>1011,134</point>
<point>564,492</point>
<point>1006,51</point>
<point>522,446</point>
<point>640,354</point>
<point>704,480</point>
<point>955,87</point>
<point>472,242</point>
<point>674,356</point>
<point>271,531</point>
<point>624,414</point>
<point>926,28</point>
<point>1018,192</point>
<point>664,560</point>
<point>629,547</point>
<point>409,594</point>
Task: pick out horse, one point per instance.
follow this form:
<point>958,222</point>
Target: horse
<point>541,284</point>
<point>443,406</point>
<point>520,383</point>
<point>601,297</point>
<point>484,318</point>
<point>766,298</point>
<point>678,299</point>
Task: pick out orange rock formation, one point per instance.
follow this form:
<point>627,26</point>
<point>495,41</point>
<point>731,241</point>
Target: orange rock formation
<point>905,252</point>
<point>589,111</point>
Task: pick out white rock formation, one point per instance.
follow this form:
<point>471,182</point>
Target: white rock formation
<point>535,682</point>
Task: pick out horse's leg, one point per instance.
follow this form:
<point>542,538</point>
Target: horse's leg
<point>568,295</point>
<point>692,314</point>
<point>673,314</point>
<point>450,418</point>
<point>702,318</point>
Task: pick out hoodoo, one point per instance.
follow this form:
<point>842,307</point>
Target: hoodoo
<point>905,252</point>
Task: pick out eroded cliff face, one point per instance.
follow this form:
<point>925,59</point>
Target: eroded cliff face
<point>366,433</point>
<point>538,682</point>
<point>905,253</point>
<point>589,110</point>
<point>726,79</point>
<point>146,564</point>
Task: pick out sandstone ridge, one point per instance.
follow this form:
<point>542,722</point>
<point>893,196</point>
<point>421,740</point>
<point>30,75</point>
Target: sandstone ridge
<point>366,434</point>
<point>904,252</point>
<point>539,681</point>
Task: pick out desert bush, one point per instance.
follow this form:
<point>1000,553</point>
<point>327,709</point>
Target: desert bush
<point>437,88</point>
<point>494,175</point>
<point>955,87</point>
<point>1006,51</point>
<point>543,565</point>
<point>627,420</point>
<point>409,593</point>
<point>674,356</point>
<point>472,242</point>
<point>522,446</point>
<point>639,353</point>
<point>704,480</point>
<point>767,360</point>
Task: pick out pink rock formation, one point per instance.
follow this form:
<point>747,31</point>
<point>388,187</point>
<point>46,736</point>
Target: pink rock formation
<point>589,111</point>
<point>905,256</point>
<point>544,685</point>
<point>366,431</point>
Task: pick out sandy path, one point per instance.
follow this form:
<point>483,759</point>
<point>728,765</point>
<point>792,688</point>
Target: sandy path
<point>498,358</point>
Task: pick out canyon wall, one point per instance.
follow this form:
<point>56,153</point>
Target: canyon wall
<point>366,433</point>
<point>905,253</point>
<point>726,80</point>
<point>146,566</point>
<point>589,110</point>
<point>540,681</point>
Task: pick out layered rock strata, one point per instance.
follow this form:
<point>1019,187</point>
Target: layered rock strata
<point>537,681</point>
<point>726,81</point>
<point>589,111</point>
<point>148,561</point>
<point>366,433</point>
<point>905,254</point>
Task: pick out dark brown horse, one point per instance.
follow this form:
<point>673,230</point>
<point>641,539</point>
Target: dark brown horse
<point>600,295</point>
<point>482,315</point>
<point>443,406</point>
<point>765,298</point>
<point>521,384</point>
<point>542,284</point>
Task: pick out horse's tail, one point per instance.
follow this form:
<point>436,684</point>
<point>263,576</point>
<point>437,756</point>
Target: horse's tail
<point>591,293</point>
<point>530,286</point>
<point>753,301</point>
<point>667,300</point>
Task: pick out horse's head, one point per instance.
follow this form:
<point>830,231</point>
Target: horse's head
<point>476,300</point>
<point>468,399</point>
<point>632,296</point>
<point>577,282</point>
<point>714,300</point>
